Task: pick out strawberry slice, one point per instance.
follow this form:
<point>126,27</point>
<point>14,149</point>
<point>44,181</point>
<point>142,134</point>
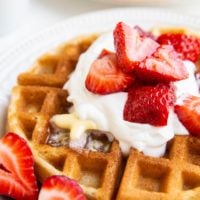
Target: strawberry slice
<point>105,52</point>
<point>149,104</point>
<point>163,66</point>
<point>17,177</point>
<point>187,45</point>
<point>132,47</point>
<point>144,33</point>
<point>105,77</point>
<point>188,113</point>
<point>60,187</point>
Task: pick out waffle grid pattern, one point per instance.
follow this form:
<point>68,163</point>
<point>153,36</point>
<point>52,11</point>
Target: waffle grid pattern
<point>39,96</point>
<point>35,100</point>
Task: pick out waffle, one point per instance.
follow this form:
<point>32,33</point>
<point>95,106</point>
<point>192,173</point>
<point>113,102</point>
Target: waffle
<point>102,175</point>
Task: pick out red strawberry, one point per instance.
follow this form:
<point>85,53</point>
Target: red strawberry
<point>144,33</point>
<point>189,114</point>
<point>187,45</point>
<point>104,52</point>
<point>17,178</point>
<point>163,66</point>
<point>105,77</point>
<point>60,187</point>
<point>149,104</point>
<point>131,47</point>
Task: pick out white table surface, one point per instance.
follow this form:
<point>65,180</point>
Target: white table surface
<point>45,13</point>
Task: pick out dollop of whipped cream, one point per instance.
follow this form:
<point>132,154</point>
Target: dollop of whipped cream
<point>107,110</point>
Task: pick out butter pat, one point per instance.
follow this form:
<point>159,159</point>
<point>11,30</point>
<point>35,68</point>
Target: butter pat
<point>74,124</point>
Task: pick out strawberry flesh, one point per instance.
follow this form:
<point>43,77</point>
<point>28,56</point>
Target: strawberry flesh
<point>16,172</point>
<point>189,114</point>
<point>149,104</point>
<point>106,77</point>
<point>163,66</point>
<point>60,187</point>
<point>144,33</point>
<point>187,45</point>
<point>104,52</point>
<point>132,47</point>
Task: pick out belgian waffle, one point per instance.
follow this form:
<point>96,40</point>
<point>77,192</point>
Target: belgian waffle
<point>102,175</point>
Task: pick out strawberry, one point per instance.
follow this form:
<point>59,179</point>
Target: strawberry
<point>163,66</point>
<point>187,45</point>
<point>149,104</point>
<point>104,52</point>
<point>188,113</point>
<point>60,187</point>
<point>132,47</point>
<point>144,33</point>
<point>105,77</point>
<point>17,177</point>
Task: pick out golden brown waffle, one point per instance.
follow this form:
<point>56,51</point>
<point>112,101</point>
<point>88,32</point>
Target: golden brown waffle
<point>53,68</point>
<point>39,96</point>
<point>175,176</point>
<point>35,100</point>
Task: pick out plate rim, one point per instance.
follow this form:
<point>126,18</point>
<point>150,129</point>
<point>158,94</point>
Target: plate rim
<point>42,38</point>
<point>153,10</point>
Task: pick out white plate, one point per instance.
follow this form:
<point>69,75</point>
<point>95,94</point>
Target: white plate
<point>23,54</point>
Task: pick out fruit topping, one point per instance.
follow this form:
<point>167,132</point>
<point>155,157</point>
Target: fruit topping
<point>144,33</point>
<point>16,169</point>
<point>131,46</point>
<point>149,104</point>
<point>60,187</point>
<point>187,45</point>
<point>188,113</point>
<point>197,76</point>
<point>105,77</point>
<point>163,66</point>
<point>104,52</point>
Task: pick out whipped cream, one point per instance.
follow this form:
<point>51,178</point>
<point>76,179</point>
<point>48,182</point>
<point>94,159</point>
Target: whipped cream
<point>106,111</point>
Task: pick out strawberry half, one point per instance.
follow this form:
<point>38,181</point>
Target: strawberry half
<point>187,45</point>
<point>189,114</point>
<point>60,187</point>
<point>105,77</point>
<point>163,66</point>
<point>17,177</point>
<point>132,47</point>
<point>149,104</point>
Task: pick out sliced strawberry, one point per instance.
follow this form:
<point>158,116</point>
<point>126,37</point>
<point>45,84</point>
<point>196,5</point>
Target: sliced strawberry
<point>188,113</point>
<point>163,66</point>
<point>105,52</point>
<point>61,187</point>
<point>187,45</point>
<point>131,47</point>
<point>144,33</point>
<point>105,77</point>
<point>149,104</point>
<point>17,177</point>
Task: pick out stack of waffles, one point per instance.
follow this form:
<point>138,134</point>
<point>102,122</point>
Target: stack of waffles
<point>103,175</point>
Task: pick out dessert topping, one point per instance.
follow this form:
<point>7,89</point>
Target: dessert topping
<point>163,66</point>
<point>188,112</point>
<point>131,46</point>
<point>84,134</point>
<point>105,77</point>
<point>98,141</point>
<point>60,187</point>
<point>149,104</point>
<point>16,168</point>
<point>58,136</point>
<point>140,55</point>
<point>72,123</point>
<point>187,45</point>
